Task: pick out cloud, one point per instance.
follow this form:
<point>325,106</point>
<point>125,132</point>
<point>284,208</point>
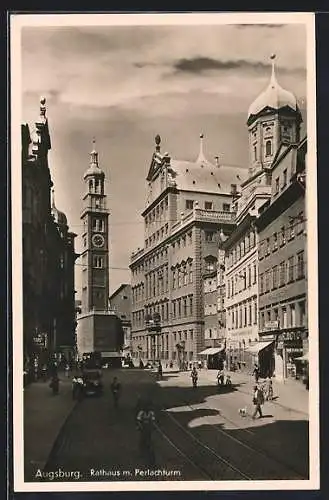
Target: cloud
<point>135,68</point>
<point>202,64</point>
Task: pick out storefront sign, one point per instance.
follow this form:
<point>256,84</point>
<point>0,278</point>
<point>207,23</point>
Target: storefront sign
<point>290,336</point>
<point>272,325</point>
<point>40,340</point>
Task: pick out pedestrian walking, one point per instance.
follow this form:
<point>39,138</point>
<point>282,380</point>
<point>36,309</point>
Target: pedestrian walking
<point>54,384</point>
<point>220,377</point>
<point>44,370</point>
<point>194,376</point>
<point>258,401</point>
<point>77,387</point>
<point>160,371</point>
<point>268,389</point>
<point>67,370</point>
<point>255,373</point>
<point>116,392</point>
<point>145,424</point>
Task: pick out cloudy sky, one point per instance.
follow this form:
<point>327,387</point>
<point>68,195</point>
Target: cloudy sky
<point>124,85</point>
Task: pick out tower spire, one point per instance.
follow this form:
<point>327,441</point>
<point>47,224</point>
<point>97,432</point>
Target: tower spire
<point>201,157</point>
<point>273,77</point>
<point>53,198</point>
<point>94,154</point>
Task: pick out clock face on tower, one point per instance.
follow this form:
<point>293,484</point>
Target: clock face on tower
<point>98,240</point>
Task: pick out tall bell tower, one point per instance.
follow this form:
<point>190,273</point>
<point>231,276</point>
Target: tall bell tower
<point>95,253</point>
<point>99,330</point>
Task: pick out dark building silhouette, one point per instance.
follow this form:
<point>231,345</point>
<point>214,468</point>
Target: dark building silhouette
<point>48,256</point>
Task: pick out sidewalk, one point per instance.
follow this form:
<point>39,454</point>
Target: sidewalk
<point>290,394</point>
<point>44,416</point>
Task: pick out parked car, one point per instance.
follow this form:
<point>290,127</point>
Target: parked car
<point>92,383</point>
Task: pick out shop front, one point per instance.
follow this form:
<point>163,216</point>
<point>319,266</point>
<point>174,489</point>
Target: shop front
<point>238,356</point>
<point>213,357</point>
<point>262,355</point>
<point>288,349</point>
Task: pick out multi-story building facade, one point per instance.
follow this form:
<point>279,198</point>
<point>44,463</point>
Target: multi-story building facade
<point>282,262</point>
<point>99,329</point>
<point>120,303</point>
<point>273,119</point>
<point>214,313</point>
<point>48,256</point>
<point>188,208</point>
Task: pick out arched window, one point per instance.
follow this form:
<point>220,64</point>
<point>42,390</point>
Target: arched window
<point>268,148</point>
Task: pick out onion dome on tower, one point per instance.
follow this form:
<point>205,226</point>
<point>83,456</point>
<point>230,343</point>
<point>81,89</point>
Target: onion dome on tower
<point>274,97</point>
<point>58,216</point>
<point>94,169</point>
<point>273,122</point>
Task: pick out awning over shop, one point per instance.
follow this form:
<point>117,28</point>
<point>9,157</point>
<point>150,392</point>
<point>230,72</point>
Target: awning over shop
<point>259,346</point>
<point>302,358</point>
<point>212,350</point>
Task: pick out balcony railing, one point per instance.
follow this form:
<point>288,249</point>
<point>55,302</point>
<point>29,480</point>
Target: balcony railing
<point>103,210</point>
<point>198,215</point>
<point>201,215</point>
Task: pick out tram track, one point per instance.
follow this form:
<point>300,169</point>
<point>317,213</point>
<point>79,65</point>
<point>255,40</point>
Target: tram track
<point>202,457</point>
<point>259,451</point>
<point>250,464</point>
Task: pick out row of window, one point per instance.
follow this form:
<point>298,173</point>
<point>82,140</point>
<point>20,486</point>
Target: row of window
<point>288,316</point>
<point>151,262</point>
<point>242,315</point>
<point>157,236</point>
<point>282,274</point>
<point>182,307</point>
<point>284,181</point>
<point>175,337</point>
<point>242,280</point>
<point>156,282</point>
<point>157,213</point>
<point>137,318</point>
<point>208,205</point>
<point>182,242</point>
<point>137,292</point>
<point>182,275</point>
<point>96,186</point>
<point>212,333</point>
<point>278,239</point>
<point>241,248</point>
